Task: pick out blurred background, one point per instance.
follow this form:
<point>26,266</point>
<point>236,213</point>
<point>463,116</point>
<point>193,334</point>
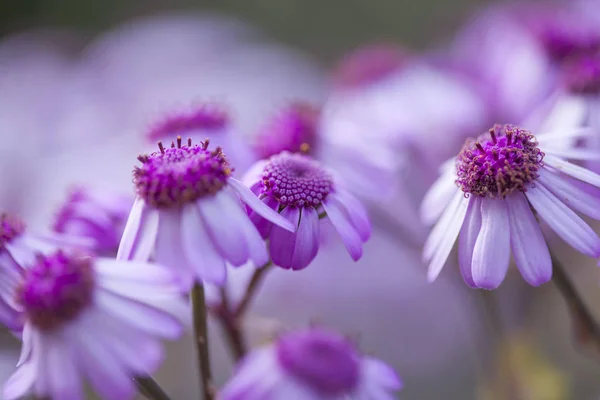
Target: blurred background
<point>439,337</point>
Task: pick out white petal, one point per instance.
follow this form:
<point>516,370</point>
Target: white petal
<point>130,232</point>
<point>438,197</point>
<point>573,170</point>
<point>571,195</point>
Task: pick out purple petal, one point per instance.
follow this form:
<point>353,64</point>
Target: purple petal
<point>355,211</point>
<point>438,197</point>
<point>258,206</point>
<point>527,242</point>
<point>381,373</point>
<point>22,254</point>
<point>130,233</point>
<point>264,225</point>
<point>199,249</point>
<point>131,271</point>
<point>307,239</point>
<point>282,242</point>
<point>26,346</point>
<point>573,170</point>
<point>220,215</point>
<point>568,225</point>
<point>468,237</point>
<point>492,247</point>
<point>344,228</point>
<point>571,195</point>
<point>21,381</point>
<point>256,243</point>
<point>63,373</point>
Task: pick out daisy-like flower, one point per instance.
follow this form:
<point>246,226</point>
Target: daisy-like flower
<point>491,195</point>
<point>303,190</point>
<point>188,212</point>
<point>97,215</point>
<point>93,318</point>
<point>314,364</point>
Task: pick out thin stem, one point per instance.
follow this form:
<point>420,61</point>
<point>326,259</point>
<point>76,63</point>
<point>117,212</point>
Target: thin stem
<point>252,288</point>
<point>201,334</point>
<point>231,326</point>
<point>586,326</point>
<point>150,388</point>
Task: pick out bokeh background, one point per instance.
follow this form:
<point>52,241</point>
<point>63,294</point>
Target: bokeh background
<point>438,336</point>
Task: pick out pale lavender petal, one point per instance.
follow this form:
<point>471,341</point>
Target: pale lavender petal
<point>23,255</point>
<point>573,170</point>
<point>258,206</point>
<point>468,237</point>
<point>529,248</point>
<point>355,211</point>
<point>138,314</point>
<point>263,225</point>
<point>21,381</point>
<point>133,271</point>
<point>26,345</point>
<point>146,237</point>
<point>450,233</point>
<point>568,225</point>
<point>438,233</point>
<point>220,215</point>
<point>282,242</point>
<point>254,173</point>
<point>307,239</point>
<point>256,244</point>
<point>169,247</point>
<point>132,227</point>
<point>380,372</point>
<point>260,365</point>
<point>63,373</point>
<point>344,228</point>
<point>491,255</point>
<point>199,250</point>
<point>571,195</point>
<point>41,386</point>
<point>574,154</point>
<point>438,197</point>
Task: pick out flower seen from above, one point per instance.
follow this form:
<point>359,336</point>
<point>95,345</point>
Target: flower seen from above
<point>313,364</point>
<point>491,196</point>
<point>188,214</point>
<point>303,191</point>
<point>94,318</point>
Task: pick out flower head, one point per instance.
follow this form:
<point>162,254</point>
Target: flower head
<point>302,190</point>
<point>491,195</point>
<point>94,318</point>
<point>188,214</point>
<point>314,364</point>
<point>98,215</point>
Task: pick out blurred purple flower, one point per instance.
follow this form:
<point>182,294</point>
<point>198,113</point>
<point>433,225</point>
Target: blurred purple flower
<point>314,364</point>
<point>187,209</point>
<point>485,198</point>
<point>302,189</point>
<point>99,215</point>
<point>94,318</point>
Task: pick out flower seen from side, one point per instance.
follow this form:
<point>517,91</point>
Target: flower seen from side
<point>302,190</point>
<point>188,215</point>
<point>92,318</point>
<point>313,364</point>
<point>491,196</point>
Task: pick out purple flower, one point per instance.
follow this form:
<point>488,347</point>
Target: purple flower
<point>98,215</point>
<point>303,191</point>
<point>313,364</point>
<point>94,318</point>
<point>491,195</point>
<point>188,212</point>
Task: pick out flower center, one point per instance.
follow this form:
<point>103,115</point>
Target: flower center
<point>296,180</point>
<point>323,360</point>
<point>203,118</point>
<point>582,74</point>
<point>369,64</point>
<point>499,162</point>
<point>56,289</point>
<point>293,130</point>
<point>180,174</point>
<point>10,227</point>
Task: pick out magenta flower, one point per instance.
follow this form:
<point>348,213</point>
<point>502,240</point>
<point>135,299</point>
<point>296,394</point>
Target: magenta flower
<point>313,364</point>
<point>92,318</point>
<point>303,191</point>
<point>188,212</point>
<point>97,215</point>
<point>491,196</point>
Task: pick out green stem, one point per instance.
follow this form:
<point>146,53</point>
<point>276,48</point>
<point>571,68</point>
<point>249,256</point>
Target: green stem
<point>252,288</point>
<point>201,337</point>
<point>150,388</point>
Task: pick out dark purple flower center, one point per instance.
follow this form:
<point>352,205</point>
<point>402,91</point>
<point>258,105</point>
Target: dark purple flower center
<point>180,174</point>
<point>293,130</point>
<point>296,180</point>
<point>56,289</point>
<point>369,64</point>
<point>499,162</point>
<point>582,74</point>
<point>205,117</point>
<point>10,227</point>
<point>322,360</point>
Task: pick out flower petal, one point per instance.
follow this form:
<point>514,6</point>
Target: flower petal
<point>573,170</point>
<point>61,367</point>
<point>355,211</point>
<point>344,228</point>
<point>491,254</point>
<point>438,197</point>
<point>571,195</point>
<point>467,238</point>
<point>529,248</point>
<point>307,239</point>
<point>132,227</point>
<point>382,373</point>
<point>258,206</point>
<point>568,225</point>
<point>169,248</point>
<point>282,242</point>
<point>263,225</point>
